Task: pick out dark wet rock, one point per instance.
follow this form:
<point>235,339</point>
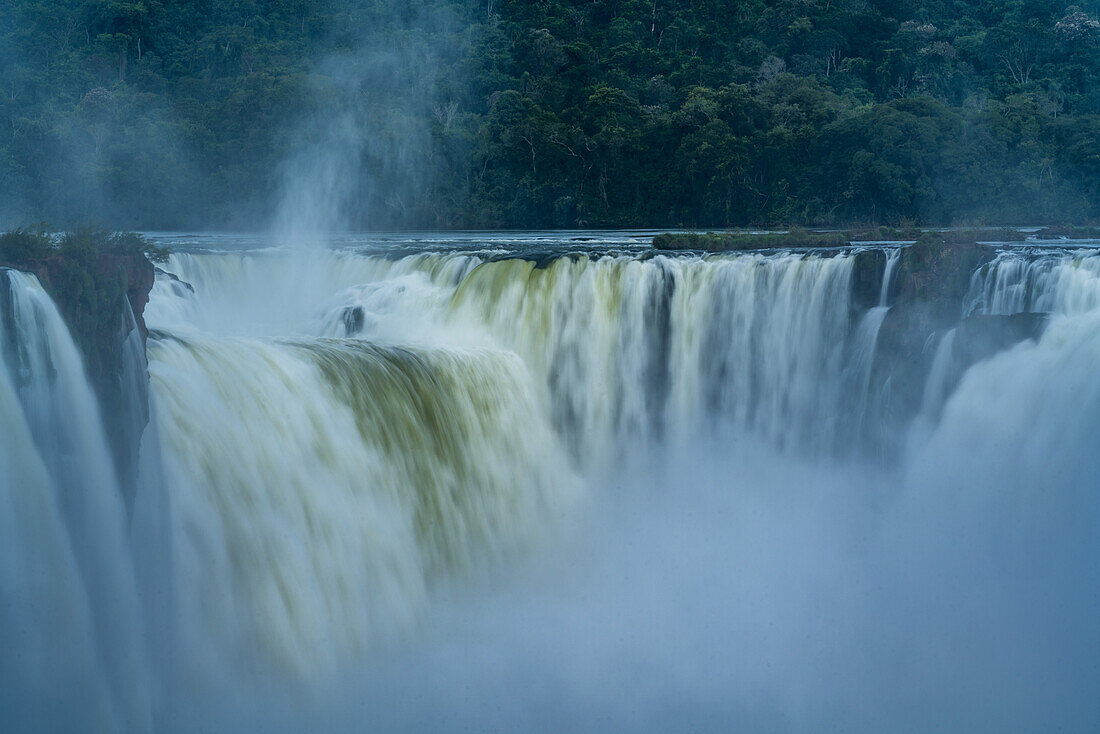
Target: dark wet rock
<point>930,285</point>
<point>162,273</point>
<point>867,274</point>
<point>980,337</point>
<point>96,295</point>
<point>903,356</point>
<point>353,320</point>
<point>936,274</point>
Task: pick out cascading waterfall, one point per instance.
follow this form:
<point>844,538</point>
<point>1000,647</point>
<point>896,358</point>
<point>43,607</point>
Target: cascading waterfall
<point>339,435</point>
<point>616,343</point>
<point>893,257</point>
<point>862,360</point>
<point>1059,282</point>
<point>426,411</point>
<point>1027,419</point>
<point>936,386</point>
<point>287,459</point>
<point>134,413</point>
<point>1067,286</point>
<point>70,560</point>
<point>779,323</point>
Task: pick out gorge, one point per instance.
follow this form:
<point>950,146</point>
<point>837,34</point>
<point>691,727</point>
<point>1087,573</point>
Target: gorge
<point>555,481</point>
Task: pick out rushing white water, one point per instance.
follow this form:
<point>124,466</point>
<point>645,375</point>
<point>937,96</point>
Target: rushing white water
<point>935,388</point>
<point>355,447</point>
<point>893,257</point>
<point>1059,282</point>
<point>864,346</point>
<point>619,354</point>
<point>429,434</point>
<point>134,404</point>
<point>1015,447</point>
<point>288,460</point>
<point>616,343</point>
<point>1054,403</point>
<point>71,605</point>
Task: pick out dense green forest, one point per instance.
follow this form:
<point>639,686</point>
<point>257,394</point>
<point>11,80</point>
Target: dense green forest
<point>554,113</point>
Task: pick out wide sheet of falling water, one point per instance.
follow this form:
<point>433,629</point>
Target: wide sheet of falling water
<point>320,486</point>
<point>72,631</point>
<point>447,494</point>
<point>728,567</point>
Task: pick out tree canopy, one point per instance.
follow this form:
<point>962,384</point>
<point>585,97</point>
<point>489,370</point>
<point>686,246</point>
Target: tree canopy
<point>551,113</point>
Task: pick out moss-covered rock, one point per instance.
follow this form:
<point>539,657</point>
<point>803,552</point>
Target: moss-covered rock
<point>94,277</point>
<point>797,237</point>
<point>867,274</point>
<point>1052,233</point>
<point>737,241</point>
<point>936,273</point>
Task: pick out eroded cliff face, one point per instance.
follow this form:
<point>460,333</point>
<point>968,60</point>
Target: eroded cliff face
<point>924,285</point>
<point>927,296</point>
<point>85,289</point>
<point>102,299</point>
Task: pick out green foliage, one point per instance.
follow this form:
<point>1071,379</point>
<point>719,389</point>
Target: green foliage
<point>89,272</point>
<point>86,242</point>
<point>23,244</point>
<point>152,114</point>
<point>726,241</point>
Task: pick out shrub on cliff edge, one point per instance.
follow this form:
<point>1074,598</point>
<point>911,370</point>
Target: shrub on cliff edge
<point>24,244</point>
<point>85,242</point>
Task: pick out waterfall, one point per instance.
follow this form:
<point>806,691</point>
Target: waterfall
<point>286,460</point>
<point>893,257</point>
<point>340,440</point>
<point>433,410</point>
<point>862,360</point>
<point>935,387</point>
<point>617,345</point>
<point>62,495</point>
<point>1059,282</point>
<point>1054,402</point>
<point>134,409</point>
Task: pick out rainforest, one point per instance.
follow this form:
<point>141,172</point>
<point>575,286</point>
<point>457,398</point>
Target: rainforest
<point>558,113</point>
<point>549,366</point>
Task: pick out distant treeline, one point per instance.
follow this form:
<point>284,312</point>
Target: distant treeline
<point>555,113</point>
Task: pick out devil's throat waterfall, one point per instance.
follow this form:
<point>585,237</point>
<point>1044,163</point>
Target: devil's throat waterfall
<point>558,483</point>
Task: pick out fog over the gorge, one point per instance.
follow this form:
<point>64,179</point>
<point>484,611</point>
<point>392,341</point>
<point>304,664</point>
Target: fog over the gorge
<point>427,403</point>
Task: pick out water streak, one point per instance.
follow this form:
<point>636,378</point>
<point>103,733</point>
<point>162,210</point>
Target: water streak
<point>617,344</point>
<point>60,485</point>
<point>287,459</point>
<point>893,257</point>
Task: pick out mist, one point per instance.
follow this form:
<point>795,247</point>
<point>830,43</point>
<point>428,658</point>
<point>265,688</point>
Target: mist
<point>406,469</point>
<point>364,155</point>
<point>362,115</point>
<point>751,590</point>
<point>697,581</point>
